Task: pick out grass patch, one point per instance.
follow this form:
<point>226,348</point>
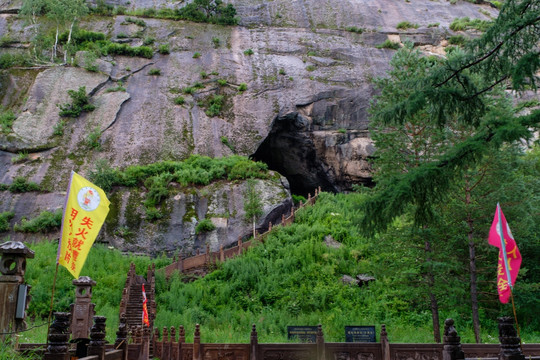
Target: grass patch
<point>465,23</point>
<point>80,102</point>
<point>154,71</point>
<point>179,100</point>
<point>205,225</point>
<point>248,52</point>
<point>164,49</point>
<point>355,29</point>
<point>388,44</point>
<point>21,185</point>
<point>7,118</point>
<point>5,217</point>
<point>196,55</point>
<point>404,25</point>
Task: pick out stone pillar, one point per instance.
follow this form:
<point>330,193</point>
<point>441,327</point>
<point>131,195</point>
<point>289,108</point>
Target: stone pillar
<point>510,342</point>
<point>320,344</point>
<point>451,342</point>
<point>121,342</point>
<point>239,246</point>
<point>173,345</point>
<point>57,348</point>
<point>385,345</point>
<point>207,258</point>
<point>254,342</point>
<point>181,341</point>
<point>145,345</point>
<point>165,344</point>
<point>197,343</point>
<point>97,338</point>
<point>221,254</point>
<point>82,311</point>
<point>12,268</point>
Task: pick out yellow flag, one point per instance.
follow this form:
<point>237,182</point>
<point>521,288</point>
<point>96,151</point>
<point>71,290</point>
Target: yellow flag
<point>86,208</point>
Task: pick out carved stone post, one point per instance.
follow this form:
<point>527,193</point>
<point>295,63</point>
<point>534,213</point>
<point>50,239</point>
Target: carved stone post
<point>510,342</point>
<point>451,342</point>
<point>239,246</point>
<point>173,346</point>
<point>97,338</point>
<point>58,348</point>
<point>158,347</point>
<point>181,341</point>
<point>385,345</point>
<point>145,345</point>
<point>221,254</point>
<point>254,341</point>
<point>14,296</point>
<point>82,311</point>
<point>197,343</point>
<point>320,343</point>
<point>207,258</point>
<point>121,342</point>
<point>165,344</point>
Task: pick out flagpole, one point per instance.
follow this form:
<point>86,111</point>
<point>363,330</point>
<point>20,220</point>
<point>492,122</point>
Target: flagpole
<point>515,316</point>
<point>51,308</point>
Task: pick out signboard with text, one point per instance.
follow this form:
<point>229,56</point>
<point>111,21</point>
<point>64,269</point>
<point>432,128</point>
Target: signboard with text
<point>360,334</point>
<point>304,334</point>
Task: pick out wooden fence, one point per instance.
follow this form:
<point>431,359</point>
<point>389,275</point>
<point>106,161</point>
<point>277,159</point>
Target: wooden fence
<point>207,258</point>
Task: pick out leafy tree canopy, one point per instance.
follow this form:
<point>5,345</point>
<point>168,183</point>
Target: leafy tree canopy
<point>463,88</point>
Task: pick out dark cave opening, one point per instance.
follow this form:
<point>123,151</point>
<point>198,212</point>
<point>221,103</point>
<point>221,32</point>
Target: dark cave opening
<point>289,150</point>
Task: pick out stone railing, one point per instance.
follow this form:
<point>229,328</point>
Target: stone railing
<point>125,293</point>
<point>207,258</point>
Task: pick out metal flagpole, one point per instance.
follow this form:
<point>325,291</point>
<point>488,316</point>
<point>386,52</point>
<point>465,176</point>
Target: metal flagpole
<point>51,308</point>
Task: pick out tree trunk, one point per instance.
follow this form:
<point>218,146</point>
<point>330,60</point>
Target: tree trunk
<point>432,299</point>
<point>472,269</point>
<point>253,226</point>
<point>68,41</point>
<point>55,44</point>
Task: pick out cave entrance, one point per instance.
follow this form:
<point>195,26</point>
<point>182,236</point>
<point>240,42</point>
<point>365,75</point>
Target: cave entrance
<point>289,150</point>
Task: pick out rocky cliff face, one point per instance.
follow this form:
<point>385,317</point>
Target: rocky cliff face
<point>304,111</point>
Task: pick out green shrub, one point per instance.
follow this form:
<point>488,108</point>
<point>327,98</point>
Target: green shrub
<point>457,40</point>
<point>149,40</point>
<point>282,72</point>
<point>225,141</point>
<point>388,44</point>
<point>222,82</point>
<point>179,100</point>
<point>188,90</point>
<point>46,221</point>
<point>7,118</point>
<point>342,131</point>
<point>20,185</point>
<point>407,25</point>
<point>152,213</point>
<point>214,105</point>
<point>242,87</point>
<point>154,71</point>
<point>196,55</point>
<point>216,41</point>
<point>120,87</point>
<point>355,29</point>
<point>209,11</point>
<point>122,36</point>
<point>204,75</point>
<point>139,22</point>
<point>103,175</point>
<point>248,52</point>
<point>21,157</point>
<point>4,220</point>
<point>80,103</point>
<point>433,25</point>
<point>311,68</point>
<point>298,198</point>
<point>465,23</point>
<point>8,60</point>
<point>92,141</point>
<point>247,169</point>
<point>205,225</point>
<point>58,129</point>
<point>198,85</point>
<point>164,49</point>
<point>126,50</point>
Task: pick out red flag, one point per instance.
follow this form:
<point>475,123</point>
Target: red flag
<point>144,309</point>
<point>509,255</point>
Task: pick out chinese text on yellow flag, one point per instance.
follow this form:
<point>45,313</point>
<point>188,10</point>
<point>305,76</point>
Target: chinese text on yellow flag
<point>86,208</point>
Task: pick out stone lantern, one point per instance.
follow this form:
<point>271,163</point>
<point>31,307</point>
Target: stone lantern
<point>82,312</point>
<point>14,296</point>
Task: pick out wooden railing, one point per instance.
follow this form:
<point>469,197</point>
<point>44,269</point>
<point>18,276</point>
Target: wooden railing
<point>200,260</point>
<point>172,348</point>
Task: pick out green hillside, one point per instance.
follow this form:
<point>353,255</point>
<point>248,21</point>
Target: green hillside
<point>294,278</point>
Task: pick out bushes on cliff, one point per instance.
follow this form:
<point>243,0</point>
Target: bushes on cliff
<point>210,11</point>
<point>80,102</point>
<point>4,220</point>
<point>46,221</point>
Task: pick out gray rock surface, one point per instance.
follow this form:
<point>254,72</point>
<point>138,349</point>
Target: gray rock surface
<point>304,111</point>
